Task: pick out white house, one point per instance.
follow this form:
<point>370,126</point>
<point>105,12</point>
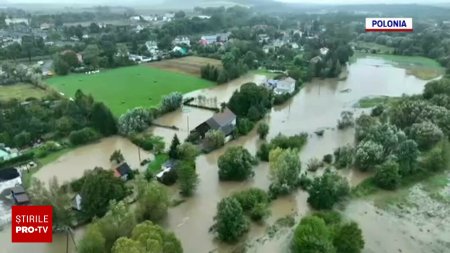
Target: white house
<point>285,86</point>
<point>280,87</point>
<point>324,51</point>
<point>181,40</point>
<point>152,47</point>
<point>13,21</point>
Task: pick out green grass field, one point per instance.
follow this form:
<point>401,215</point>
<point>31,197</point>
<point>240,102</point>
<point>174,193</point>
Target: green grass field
<point>125,88</point>
<point>21,91</point>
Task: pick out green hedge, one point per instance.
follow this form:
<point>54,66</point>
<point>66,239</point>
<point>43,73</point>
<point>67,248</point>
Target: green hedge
<point>17,160</point>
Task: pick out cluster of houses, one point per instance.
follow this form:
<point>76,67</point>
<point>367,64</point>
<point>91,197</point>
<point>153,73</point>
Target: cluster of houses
<point>220,39</point>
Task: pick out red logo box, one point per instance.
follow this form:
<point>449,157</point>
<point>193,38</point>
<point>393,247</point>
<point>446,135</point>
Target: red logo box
<point>32,223</point>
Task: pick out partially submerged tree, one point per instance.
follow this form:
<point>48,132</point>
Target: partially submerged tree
<point>173,150</point>
<point>134,121</point>
<point>327,190</point>
<point>236,164</point>
<point>263,130</point>
<point>284,170</point>
<point>230,222</point>
<point>117,157</point>
<point>187,178</point>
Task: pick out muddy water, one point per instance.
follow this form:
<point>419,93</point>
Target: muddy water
<point>73,164</point>
<point>317,106</point>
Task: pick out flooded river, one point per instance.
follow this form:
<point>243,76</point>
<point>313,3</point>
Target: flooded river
<point>317,106</point>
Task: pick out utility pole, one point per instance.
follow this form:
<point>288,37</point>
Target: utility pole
<point>139,154</point>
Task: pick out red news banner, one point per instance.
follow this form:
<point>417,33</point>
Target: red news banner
<point>32,224</point>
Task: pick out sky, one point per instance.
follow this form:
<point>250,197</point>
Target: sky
<point>291,1</point>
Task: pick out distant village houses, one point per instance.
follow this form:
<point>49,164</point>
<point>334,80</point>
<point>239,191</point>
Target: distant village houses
<point>214,39</point>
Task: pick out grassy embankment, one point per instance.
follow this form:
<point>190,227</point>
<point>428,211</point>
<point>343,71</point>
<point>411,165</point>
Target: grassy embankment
<point>431,182</point>
<point>21,91</point>
<point>418,66</point>
<point>125,88</point>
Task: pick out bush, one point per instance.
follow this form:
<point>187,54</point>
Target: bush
<point>346,120</point>
<point>230,222</point>
<point>314,164</point>
<point>437,159</point>
<point>343,157</point>
<point>387,175</point>
<point>284,142</point>
<point>328,158</point>
<point>327,190</point>
<point>368,155</point>
<point>263,130</point>
<point>426,134</point>
<point>134,121</point>
<point>244,126</point>
<point>236,164</point>
<point>214,139</point>
<point>83,136</point>
<point>171,102</point>
<point>377,110</point>
<point>254,202</point>
<point>17,160</point>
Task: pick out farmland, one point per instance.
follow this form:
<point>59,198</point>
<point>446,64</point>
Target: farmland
<point>190,65</point>
<point>21,91</point>
<point>125,88</point>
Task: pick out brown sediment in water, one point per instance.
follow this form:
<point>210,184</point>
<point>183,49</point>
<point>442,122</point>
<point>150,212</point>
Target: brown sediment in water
<point>317,106</point>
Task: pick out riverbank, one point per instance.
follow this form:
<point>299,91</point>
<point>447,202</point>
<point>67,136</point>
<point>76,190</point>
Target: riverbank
<point>418,66</point>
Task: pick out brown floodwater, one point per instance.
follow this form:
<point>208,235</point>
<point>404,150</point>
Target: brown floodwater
<point>317,106</point>
<point>73,164</point>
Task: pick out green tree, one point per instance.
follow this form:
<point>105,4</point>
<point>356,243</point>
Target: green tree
<point>83,136</point>
<point>263,130</point>
<point>103,120</point>
<point>22,139</point>
<point>92,241</point>
<point>312,236</point>
<point>327,190</point>
<point>187,178</point>
<point>407,154</point>
<point>236,164</point>
<point>54,195</point>
<point>118,221</point>
<point>171,102</point>
<point>148,237</point>
<point>152,201</point>
<point>387,175</point>
<point>230,222</point>
<point>426,134</point>
<point>188,151</point>
<point>134,121</point>
<point>125,245</point>
<point>254,202</point>
<point>348,239</point>
<point>437,159</point>
<point>99,188</point>
<point>173,150</point>
<point>214,139</point>
<point>368,154</point>
<point>285,169</point>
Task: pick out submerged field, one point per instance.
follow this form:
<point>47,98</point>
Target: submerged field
<point>190,65</point>
<point>418,66</point>
<point>125,88</point>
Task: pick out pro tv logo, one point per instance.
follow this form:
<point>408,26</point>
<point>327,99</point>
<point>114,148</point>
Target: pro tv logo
<point>31,224</point>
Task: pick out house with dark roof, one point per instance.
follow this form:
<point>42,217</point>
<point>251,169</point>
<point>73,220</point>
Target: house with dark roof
<point>123,171</point>
<point>224,121</point>
<point>19,195</point>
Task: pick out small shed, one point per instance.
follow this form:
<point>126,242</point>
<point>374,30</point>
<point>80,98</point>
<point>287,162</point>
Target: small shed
<point>19,195</point>
<point>123,171</point>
